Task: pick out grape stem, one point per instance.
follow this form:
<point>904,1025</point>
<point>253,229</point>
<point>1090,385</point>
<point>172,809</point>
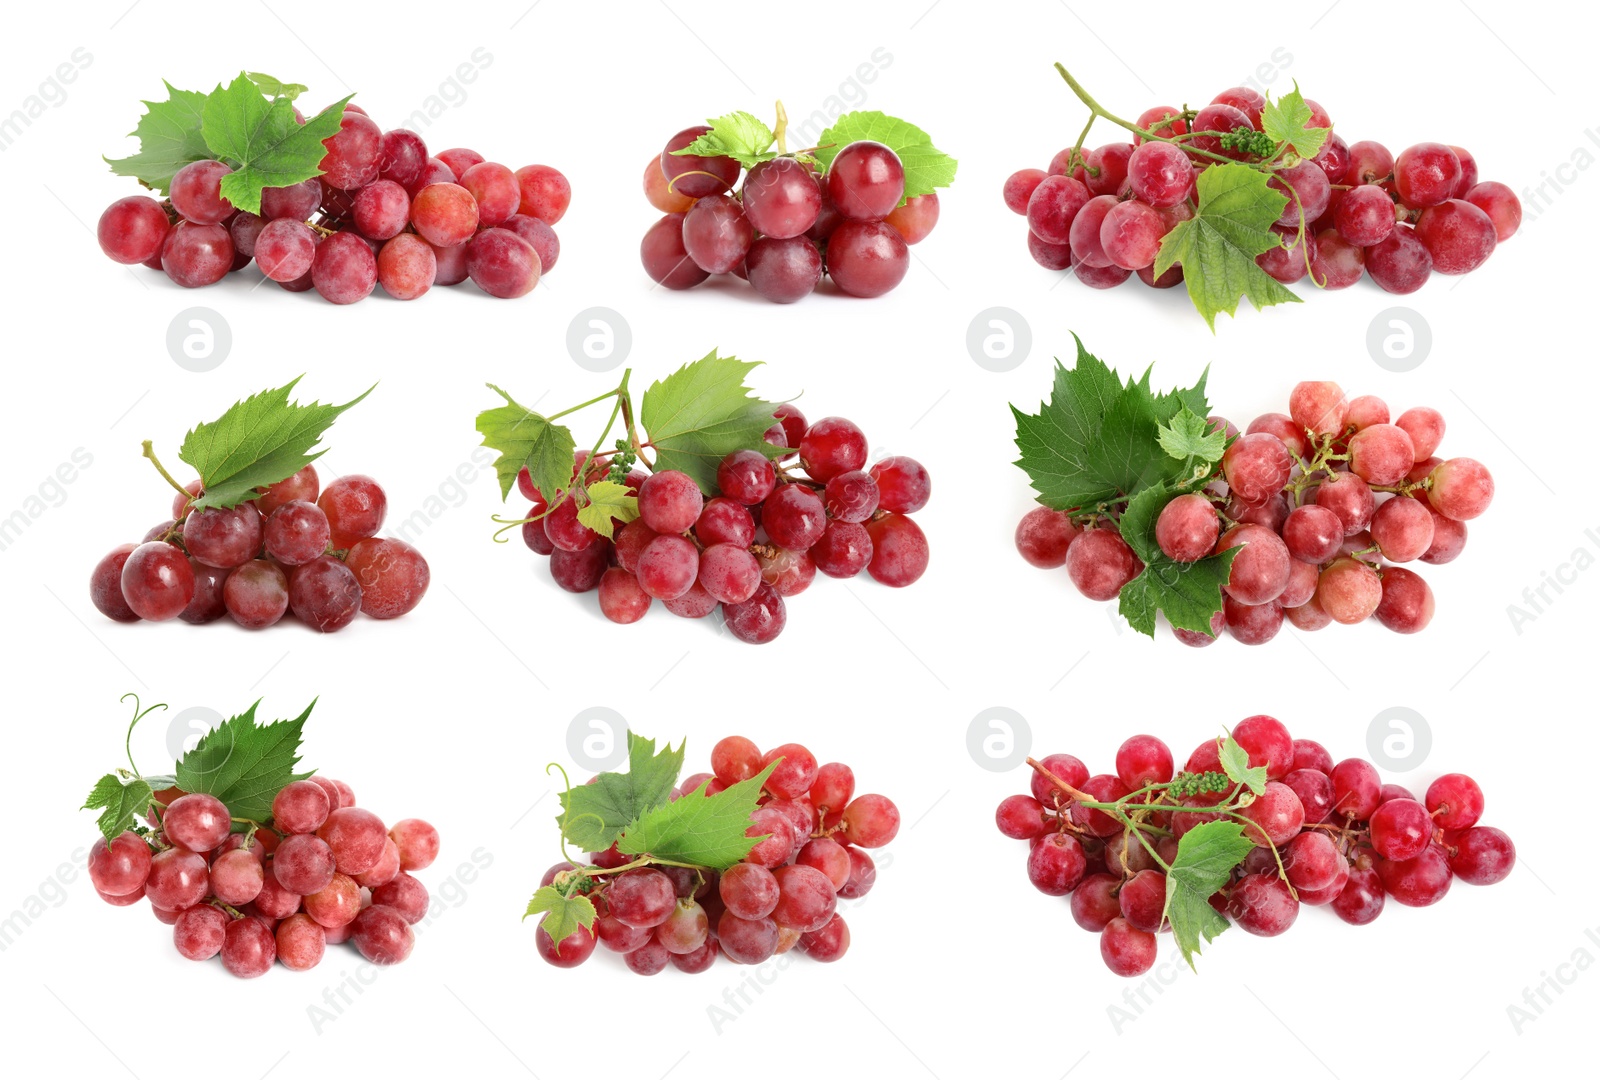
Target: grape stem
<point>691,172</point>
<point>641,861</point>
<point>1129,810</point>
<point>1076,158</point>
<point>1120,808</point>
<point>622,406</point>
<point>138,714</point>
<point>594,400</point>
<point>1281,157</point>
<point>1098,110</point>
<point>150,452</point>
<point>1276,856</point>
<point>1316,470</point>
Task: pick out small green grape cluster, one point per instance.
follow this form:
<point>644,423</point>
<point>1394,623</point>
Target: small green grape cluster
<point>622,463</point>
<point>1205,783</point>
<point>1256,143</point>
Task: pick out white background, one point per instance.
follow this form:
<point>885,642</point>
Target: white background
<point>958,966</point>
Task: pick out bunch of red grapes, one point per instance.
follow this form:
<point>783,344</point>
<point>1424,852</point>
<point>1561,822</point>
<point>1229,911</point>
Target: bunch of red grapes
<point>787,224</point>
<point>383,212</point>
<point>320,872</point>
<point>1323,503</point>
<point>784,893</point>
<point>1353,209</point>
<point>289,549</point>
<point>1324,834</point>
<point>764,537</point>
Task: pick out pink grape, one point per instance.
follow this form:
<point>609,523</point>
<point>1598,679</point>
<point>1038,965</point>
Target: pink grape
<point>1335,262</point>
<point>1256,467</point>
<point>1044,535</point>
<point>1019,188</point>
<point>1160,174</point>
<point>120,866</point>
<point>1403,529</point>
<point>1458,235</point>
<point>1400,263</point>
<point>1085,234</point>
<point>1426,174</point>
<point>1187,527</point>
<point>1407,603</point>
<point>1053,206</point>
<point>133,229</point>
<point>1500,203</point>
<point>344,268</point>
<point>1100,563</point>
<point>867,258</point>
<point>899,550</point>
<point>545,193</point>
<point>1460,488</point>
<point>196,193</point>
<point>866,181</point>
<point>1350,498</point>
<point>1130,234</point>
<point>383,937</point>
<point>915,218</point>
<point>355,836</point>
<point>195,255</point>
<point>1381,454</point>
<point>1349,591</point>
<point>502,264</point>
<point>1426,428</point>
<point>1260,571</point>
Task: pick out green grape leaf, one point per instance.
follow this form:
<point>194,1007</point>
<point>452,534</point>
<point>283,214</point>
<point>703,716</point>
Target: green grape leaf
<point>1236,763</point>
<point>594,815</point>
<point>245,763</point>
<point>738,135</point>
<point>1097,437</point>
<point>703,412</point>
<point>524,438</point>
<point>1285,121</point>
<point>161,782</point>
<point>927,167</point>
<point>119,799</point>
<point>262,140</point>
<point>701,829</point>
<point>563,915</point>
<point>1188,594</point>
<point>608,501</point>
<point>1206,857</point>
<point>1185,437</point>
<point>169,138</point>
<point>257,442</point>
<point>276,88</point>
<point>1218,246</point>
